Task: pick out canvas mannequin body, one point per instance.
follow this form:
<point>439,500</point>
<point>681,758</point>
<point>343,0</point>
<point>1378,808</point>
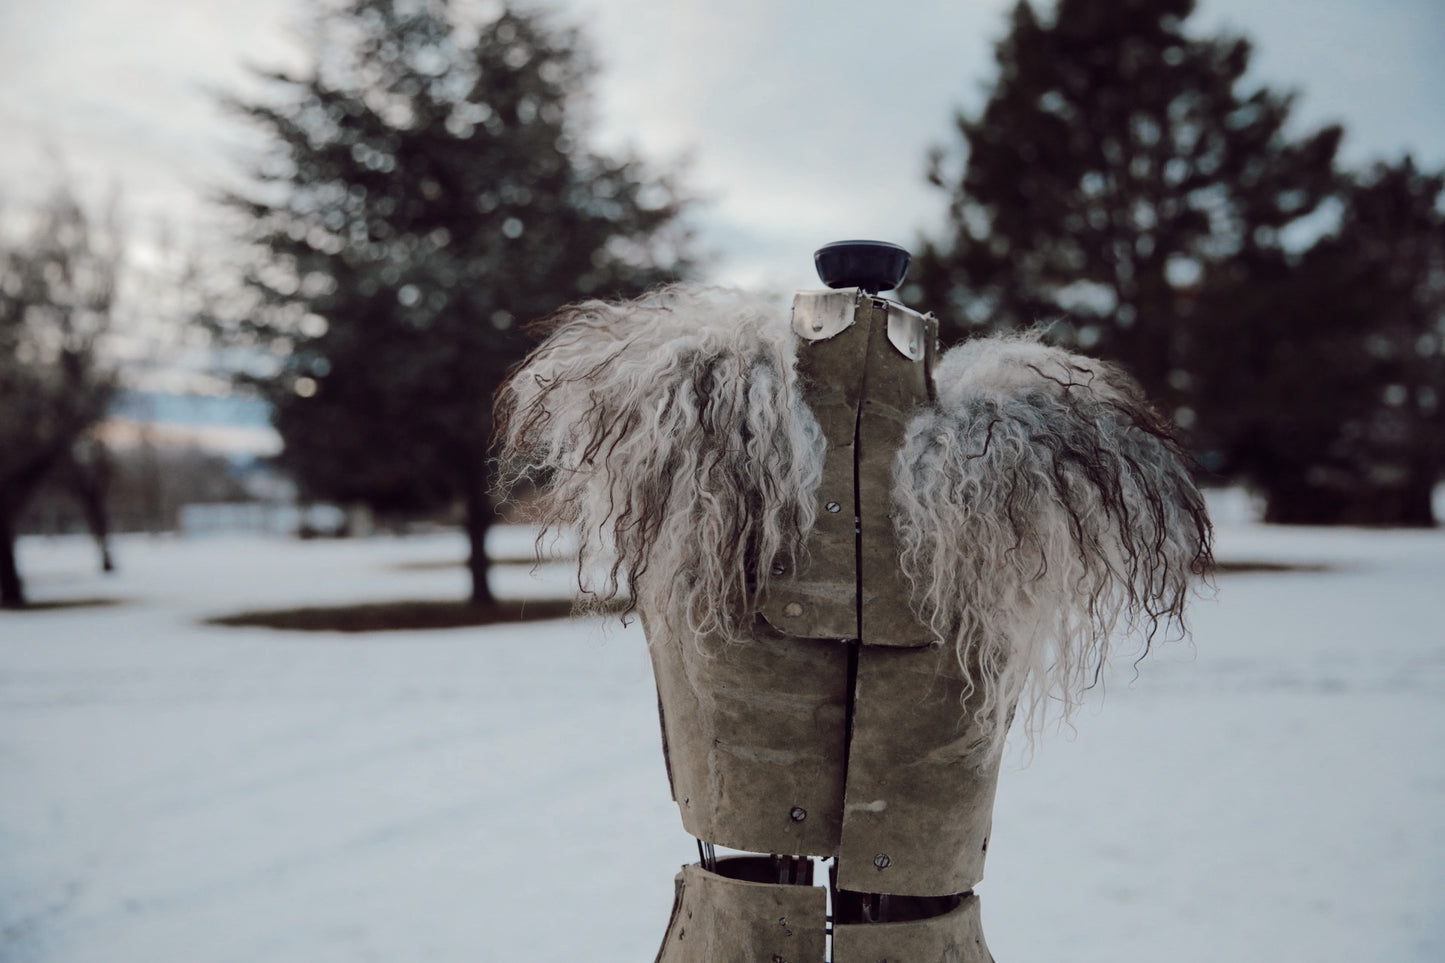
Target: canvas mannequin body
<point>849,569</point>
<point>809,713</point>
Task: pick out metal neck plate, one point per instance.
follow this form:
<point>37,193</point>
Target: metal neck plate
<point>820,315</point>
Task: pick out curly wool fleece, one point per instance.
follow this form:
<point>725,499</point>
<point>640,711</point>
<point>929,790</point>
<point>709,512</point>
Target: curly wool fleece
<point>1042,506</point>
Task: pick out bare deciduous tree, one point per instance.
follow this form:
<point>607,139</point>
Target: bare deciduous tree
<point>57,294</point>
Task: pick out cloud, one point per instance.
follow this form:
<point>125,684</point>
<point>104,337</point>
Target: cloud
<point>806,121</point>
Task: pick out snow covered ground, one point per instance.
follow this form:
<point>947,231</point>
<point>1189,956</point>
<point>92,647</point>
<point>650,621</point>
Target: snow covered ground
<point>171,791</point>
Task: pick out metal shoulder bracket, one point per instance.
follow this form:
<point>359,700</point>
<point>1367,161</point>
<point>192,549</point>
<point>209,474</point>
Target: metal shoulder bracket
<point>908,331</point>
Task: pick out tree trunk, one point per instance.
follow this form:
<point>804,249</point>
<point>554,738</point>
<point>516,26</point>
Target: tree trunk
<point>1414,507</point>
<point>90,491</point>
<point>480,516</point>
<point>102,545</point>
<point>12,593</point>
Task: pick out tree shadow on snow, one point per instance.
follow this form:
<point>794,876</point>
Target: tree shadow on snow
<point>53,605</point>
<point>400,616</point>
<point>1256,568</point>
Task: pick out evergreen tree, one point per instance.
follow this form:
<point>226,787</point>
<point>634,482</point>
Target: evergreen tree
<point>428,192</point>
<point>1329,399</point>
<point>1391,245</point>
<point>1117,166</point>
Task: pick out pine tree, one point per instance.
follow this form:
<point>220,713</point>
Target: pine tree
<point>1390,253</point>
<point>1330,397</point>
<point>1117,165</point>
<point>427,193</point>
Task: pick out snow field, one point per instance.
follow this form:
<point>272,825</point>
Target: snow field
<point>176,791</point>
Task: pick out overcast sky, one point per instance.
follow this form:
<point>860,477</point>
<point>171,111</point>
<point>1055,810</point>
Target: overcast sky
<point>805,121</point>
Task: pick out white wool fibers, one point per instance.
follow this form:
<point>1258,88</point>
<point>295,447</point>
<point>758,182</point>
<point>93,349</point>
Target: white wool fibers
<point>670,434</point>
<point>1043,509</point>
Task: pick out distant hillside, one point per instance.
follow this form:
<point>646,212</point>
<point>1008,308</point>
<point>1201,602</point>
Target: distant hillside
<point>231,424</point>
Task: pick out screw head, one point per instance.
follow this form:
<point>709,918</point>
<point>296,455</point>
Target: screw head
<point>881,860</point>
<point>798,814</point>
<point>834,507</point>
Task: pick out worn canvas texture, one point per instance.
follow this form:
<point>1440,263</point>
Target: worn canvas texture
<point>1018,508</point>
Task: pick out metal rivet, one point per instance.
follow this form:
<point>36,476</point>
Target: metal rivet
<point>793,609</point>
<point>834,507</point>
<point>881,861</point>
<point>913,347</point>
<point>799,814</point>
<point>778,570</point>
<point>817,325</point>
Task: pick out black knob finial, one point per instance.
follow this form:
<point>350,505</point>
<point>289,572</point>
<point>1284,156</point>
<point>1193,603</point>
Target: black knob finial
<point>871,265</point>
